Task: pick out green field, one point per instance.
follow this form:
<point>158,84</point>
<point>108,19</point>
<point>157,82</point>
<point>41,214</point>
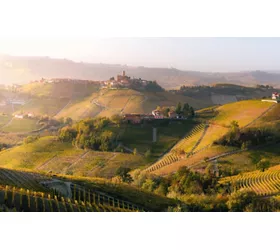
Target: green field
<point>141,136</point>
<point>21,125</point>
<point>4,119</point>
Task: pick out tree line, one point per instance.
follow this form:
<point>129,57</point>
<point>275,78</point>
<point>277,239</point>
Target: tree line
<point>95,134</point>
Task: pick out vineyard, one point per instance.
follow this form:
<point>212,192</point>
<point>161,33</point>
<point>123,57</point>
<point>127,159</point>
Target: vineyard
<point>25,200</point>
<point>30,191</point>
<point>262,183</point>
<point>213,133</point>
<point>22,179</point>
<point>182,149</point>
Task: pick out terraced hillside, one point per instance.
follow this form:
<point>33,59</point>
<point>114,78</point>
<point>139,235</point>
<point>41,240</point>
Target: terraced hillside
<point>262,183</point>
<point>182,149</point>
<point>198,159</point>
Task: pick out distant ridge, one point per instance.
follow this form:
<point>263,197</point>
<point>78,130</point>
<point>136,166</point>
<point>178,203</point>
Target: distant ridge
<point>14,69</point>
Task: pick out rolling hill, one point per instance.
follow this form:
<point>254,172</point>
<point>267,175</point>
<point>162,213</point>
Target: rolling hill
<point>246,113</point>
<point>80,101</point>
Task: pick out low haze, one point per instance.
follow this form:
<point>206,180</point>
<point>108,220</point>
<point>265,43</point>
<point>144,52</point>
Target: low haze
<point>199,54</point>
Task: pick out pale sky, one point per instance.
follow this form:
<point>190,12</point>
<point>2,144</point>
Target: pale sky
<point>201,54</point>
<point>72,29</point>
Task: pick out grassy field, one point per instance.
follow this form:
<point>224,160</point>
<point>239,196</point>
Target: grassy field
<point>168,134</point>
<point>80,108</point>
<point>57,90</point>
<point>44,106</point>
<point>33,154</point>
<point>4,119</point>
<point>91,163</point>
<point>48,154</point>
<point>73,100</point>
<point>270,120</point>
<point>21,125</point>
<point>11,139</point>
<point>244,112</point>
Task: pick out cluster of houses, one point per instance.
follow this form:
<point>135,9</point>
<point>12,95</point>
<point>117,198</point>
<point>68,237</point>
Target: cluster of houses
<point>276,96</point>
<point>24,115</point>
<point>156,114</point>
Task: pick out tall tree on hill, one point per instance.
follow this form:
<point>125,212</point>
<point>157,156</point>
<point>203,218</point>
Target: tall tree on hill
<point>178,109</point>
<point>192,113</point>
<point>186,109</point>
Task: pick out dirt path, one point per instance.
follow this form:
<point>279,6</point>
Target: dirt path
<point>199,140</point>
<point>260,116</point>
<point>63,108</point>
<point>130,150</point>
<point>8,123</point>
<point>126,104</point>
<point>46,162</point>
<point>80,158</point>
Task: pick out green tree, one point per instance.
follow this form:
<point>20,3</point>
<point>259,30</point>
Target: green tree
<point>30,139</point>
<point>162,189</point>
<point>117,119</point>
<point>68,121</point>
<point>210,169</point>
<point>239,200</point>
<point>263,164</point>
<point>192,113</point>
<point>178,109</point>
<point>234,127</point>
<point>186,109</point>
<point>149,185</point>
<point>67,134</point>
<point>123,172</point>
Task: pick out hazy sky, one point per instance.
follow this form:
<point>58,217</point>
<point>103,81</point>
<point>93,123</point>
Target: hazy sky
<point>204,54</point>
